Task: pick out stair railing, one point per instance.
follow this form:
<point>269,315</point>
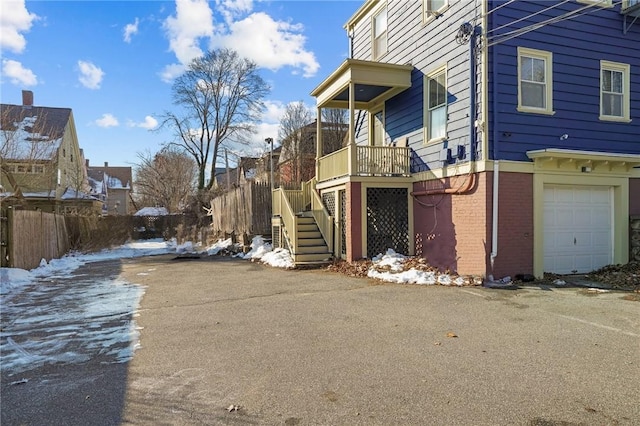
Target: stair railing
<point>321,215</point>
<point>288,216</point>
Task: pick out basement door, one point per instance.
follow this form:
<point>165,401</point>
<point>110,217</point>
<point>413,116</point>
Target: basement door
<point>578,228</point>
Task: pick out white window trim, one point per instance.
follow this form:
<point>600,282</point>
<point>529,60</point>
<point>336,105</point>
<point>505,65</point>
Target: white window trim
<point>548,58</point>
<point>374,54</point>
<point>430,15</point>
<point>426,116</point>
<point>625,69</point>
<point>601,3</point>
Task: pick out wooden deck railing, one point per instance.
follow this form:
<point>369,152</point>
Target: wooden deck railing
<point>365,160</point>
<point>287,213</point>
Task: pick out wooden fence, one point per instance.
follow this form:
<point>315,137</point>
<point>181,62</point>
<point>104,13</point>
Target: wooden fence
<point>245,210</point>
<point>33,236</point>
<point>28,236</point>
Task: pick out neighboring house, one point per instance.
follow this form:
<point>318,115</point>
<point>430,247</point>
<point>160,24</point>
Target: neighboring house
<point>492,138</point>
<point>297,162</point>
<point>263,166</point>
<point>42,164</point>
<point>234,176</point>
<point>112,185</point>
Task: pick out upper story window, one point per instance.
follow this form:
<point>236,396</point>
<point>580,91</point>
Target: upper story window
<point>380,33</point>
<point>614,91</point>
<point>436,105</point>
<point>433,8</point>
<point>535,81</point>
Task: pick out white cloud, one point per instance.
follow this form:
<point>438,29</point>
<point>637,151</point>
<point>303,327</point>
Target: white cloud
<point>172,71</point>
<point>275,45</point>
<point>273,112</point>
<point>129,30</point>
<point>14,20</point>
<point>257,36</point>
<point>148,123</point>
<point>19,75</point>
<point>107,120</point>
<point>90,75</point>
<point>193,20</point>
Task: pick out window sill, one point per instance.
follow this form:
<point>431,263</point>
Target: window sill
<point>528,110</point>
<point>432,16</point>
<point>436,140</point>
<point>614,119</point>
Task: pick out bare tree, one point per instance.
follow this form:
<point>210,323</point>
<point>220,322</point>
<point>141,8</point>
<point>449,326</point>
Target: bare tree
<point>27,152</point>
<point>335,128</point>
<point>296,135</point>
<point>166,179</point>
<point>220,96</point>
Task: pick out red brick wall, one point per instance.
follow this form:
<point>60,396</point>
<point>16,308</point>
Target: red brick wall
<point>515,225</point>
<point>634,196</point>
<point>354,221</point>
<point>453,231</point>
<point>450,229</point>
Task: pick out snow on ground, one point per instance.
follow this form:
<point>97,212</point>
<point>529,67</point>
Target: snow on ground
<point>51,314</point>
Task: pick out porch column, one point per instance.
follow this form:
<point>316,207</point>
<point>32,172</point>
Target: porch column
<point>352,128</point>
<point>319,147</point>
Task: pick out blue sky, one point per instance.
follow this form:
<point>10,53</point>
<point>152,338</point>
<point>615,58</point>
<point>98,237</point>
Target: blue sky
<point>112,62</point>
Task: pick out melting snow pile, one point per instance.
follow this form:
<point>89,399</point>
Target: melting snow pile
<point>397,268</point>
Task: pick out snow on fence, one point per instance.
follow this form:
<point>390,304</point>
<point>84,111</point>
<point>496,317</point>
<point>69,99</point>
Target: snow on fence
<point>33,236</point>
<point>243,210</point>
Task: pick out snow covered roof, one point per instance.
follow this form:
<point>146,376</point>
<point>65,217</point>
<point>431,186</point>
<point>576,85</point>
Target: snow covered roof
<point>152,211</point>
<point>32,132</point>
<point>113,177</point>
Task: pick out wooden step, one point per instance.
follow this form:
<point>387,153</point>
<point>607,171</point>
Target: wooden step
<point>311,257</point>
<point>311,241</point>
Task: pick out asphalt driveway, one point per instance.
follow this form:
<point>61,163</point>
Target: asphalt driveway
<point>233,342</point>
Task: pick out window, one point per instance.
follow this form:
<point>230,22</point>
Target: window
<point>436,105</point>
<point>614,91</point>
<point>380,33</point>
<point>433,8</point>
<point>535,81</point>
<point>38,169</point>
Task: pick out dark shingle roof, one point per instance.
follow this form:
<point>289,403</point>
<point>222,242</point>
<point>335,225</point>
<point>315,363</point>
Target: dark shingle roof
<point>50,121</point>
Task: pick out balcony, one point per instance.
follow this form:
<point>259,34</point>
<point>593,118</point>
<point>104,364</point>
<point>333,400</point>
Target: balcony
<point>365,160</point>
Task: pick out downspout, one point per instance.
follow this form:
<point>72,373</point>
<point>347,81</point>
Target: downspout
<point>496,151</point>
<point>494,221</point>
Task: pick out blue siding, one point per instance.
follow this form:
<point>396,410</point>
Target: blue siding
<point>427,47</point>
<point>578,45</point>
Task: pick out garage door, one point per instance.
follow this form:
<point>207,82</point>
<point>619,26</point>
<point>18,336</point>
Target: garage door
<point>578,228</point>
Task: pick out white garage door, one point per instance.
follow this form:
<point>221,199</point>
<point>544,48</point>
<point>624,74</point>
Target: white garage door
<point>578,228</point>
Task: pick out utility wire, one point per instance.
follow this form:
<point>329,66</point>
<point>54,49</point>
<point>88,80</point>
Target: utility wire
<point>529,16</point>
<point>499,7</point>
<point>501,38</point>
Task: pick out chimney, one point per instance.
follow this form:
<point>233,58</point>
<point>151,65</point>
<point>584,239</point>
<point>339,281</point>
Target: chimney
<point>86,162</point>
<point>27,98</point>
<point>106,164</point>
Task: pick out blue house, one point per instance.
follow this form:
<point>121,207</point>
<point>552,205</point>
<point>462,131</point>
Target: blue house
<point>491,138</point>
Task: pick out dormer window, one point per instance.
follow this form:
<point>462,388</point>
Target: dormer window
<point>380,33</point>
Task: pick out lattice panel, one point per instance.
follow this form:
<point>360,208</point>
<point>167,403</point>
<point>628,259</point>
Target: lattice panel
<point>276,237</point>
<point>387,220</point>
<point>329,200</point>
<point>343,222</point>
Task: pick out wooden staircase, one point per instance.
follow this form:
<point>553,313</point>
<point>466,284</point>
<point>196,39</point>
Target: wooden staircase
<point>310,247</point>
